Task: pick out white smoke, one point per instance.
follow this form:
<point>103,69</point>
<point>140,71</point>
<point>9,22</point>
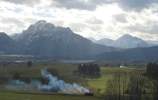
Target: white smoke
<point>21,85</point>
<point>56,85</point>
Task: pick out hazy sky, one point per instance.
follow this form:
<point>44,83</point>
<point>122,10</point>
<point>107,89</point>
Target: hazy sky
<point>89,18</point>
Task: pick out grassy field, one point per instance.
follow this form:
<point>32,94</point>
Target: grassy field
<point>66,72</point>
<point>20,96</point>
<point>99,84</point>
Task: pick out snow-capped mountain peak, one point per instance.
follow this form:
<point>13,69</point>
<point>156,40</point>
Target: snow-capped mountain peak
<point>125,41</point>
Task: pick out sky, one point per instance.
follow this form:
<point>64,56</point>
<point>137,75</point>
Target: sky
<point>90,18</point>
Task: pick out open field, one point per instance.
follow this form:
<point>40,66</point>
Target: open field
<point>24,96</point>
<point>100,84</point>
<point>66,72</point>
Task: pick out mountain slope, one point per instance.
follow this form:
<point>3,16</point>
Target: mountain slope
<point>106,42</point>
<point>92,39</point>
<point>7,45</point>
<point>125,41</point>
<point>137,54</point>
<point>128,41</point>
<point>46,40</point>
<point>152,43</point>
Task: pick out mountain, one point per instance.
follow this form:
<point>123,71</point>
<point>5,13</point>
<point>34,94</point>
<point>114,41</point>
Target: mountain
<point>7,45</point>
<point>46,40</point>
<point>152,43</point>
<point>136,54</point>
<point>125,41</point>
<point>128,41</point>
<point>106,42</point>
<point>92,39</point>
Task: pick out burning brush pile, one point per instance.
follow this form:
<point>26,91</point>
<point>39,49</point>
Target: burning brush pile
<point>53,85</point>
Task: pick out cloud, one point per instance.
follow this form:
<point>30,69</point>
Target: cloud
<point>120,18</point>
<point>89,18</point>
<point>148,28</point>
<point>80,4</point>
<point>23,2</point>
<point>94,20</point>
<point>8,20</point>
<point>136,5</point>
<point>74,4</point>
<point>78,27</point>
<point>128,5</point>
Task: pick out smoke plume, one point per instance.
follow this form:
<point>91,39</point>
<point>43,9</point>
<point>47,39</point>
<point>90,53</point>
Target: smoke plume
<point>54,85</point>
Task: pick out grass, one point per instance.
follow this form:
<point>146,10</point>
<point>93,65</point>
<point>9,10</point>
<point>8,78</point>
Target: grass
<point>34,71</point>
<point>67,73</point>
<point>99,84</point>
<point>17,96</point>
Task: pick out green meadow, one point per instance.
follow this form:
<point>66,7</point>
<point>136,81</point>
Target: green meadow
<point>67,72</point>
